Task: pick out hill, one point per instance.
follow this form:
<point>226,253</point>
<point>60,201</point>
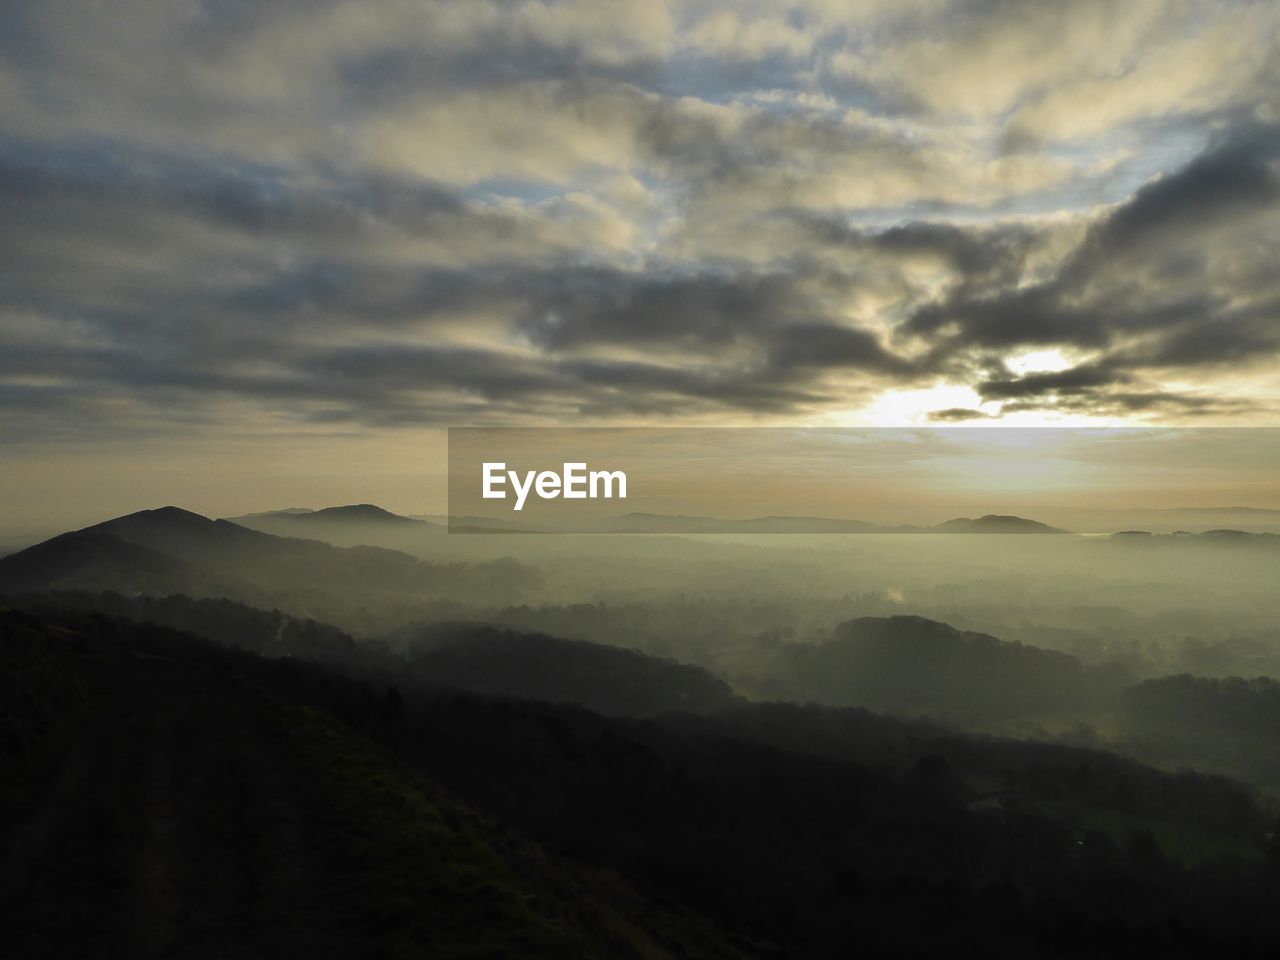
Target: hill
<point>170,550</point>
<point>914,666</point>
<point>99,560</point>
<point>662,523</point>
<point>269,633</point>
<point>161,798</point>
<point>609,680</point>
<point>195,552</point>
<point>1182,539</point>
<point>351,513</point>
<point>167,797</point>
<point>270,561</point>
<point>1228,724</point>
<point>994,523</point>
<point>352,525</point>
<point>667,523</point>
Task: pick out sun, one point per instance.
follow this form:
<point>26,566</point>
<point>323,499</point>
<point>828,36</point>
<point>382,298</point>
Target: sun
<point>905,408</point>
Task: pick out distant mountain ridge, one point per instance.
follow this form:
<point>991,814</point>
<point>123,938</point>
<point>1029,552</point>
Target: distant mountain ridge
<point>990,523</point>
<point>348,525</point>
<point>338,523</point>
<point>642,522</point>
<point>352,513</point>
<point>195,553</point>
<point>996,523</point>
<point>1206,537</point>
<point>171,550</point>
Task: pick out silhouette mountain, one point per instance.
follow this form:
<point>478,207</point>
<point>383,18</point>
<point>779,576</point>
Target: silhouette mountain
<point>170,550</point>
<point>352,525</point>
<point>96,559</point>
<point>270,561</point>
<point>995,523</point>
<point>670,523</point>
<point>1181,539</point>
<point>351,513</point>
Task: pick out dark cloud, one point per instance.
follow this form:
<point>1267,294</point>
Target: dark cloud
<point>1172,279</point>
<point>1218,337</point>
<point>1233,179</point>
<point>972,252</point>
<point>734,337</point>
<point>1077,380</point>
<point>957,415</point>
<point>828,345</point>
<point>382,214</point>
<point>1124,404</point>
<point>614,306</point>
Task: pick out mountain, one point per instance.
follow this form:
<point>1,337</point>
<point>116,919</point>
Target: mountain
<point>170,550</point>
<point>1165,519</point>
<point>164,797</point>
<point>663,523</point>
<point>271,562</point>
<point>97,559</point>
<point>603,678</point>
<point>172,525</point>
<point>359,524</point>
<point>1226,724</point>
<point>641,522</point>
<point>994,523</point>
<point>269,633</point>
<point>913,666</point>
<point>1182,539</point>
<point>352,513</point>
<point>660,523</point>
<point>1264,512</point>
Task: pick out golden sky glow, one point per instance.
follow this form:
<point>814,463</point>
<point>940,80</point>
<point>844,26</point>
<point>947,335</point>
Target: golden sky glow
<point>333,228</point>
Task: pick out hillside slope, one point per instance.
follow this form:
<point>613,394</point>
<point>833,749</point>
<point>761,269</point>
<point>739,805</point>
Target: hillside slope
<point>157,801</point>
<point>912,665</point>
<point>533,666</point>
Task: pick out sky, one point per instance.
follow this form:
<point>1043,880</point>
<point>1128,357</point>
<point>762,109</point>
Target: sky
<point>254,250</point>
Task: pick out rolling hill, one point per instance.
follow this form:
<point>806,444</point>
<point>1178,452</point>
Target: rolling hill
<point>607,679</point>
<point>97,559</point>
<point>913,666</point>
<point>355,513</point>
<point>163,797</point>
<point>994,523</point>
<point>170,550</point>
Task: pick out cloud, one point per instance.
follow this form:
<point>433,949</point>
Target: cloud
<point>1125,404</point>
<point>830,345</point>
<point>957,415</point>
<point>1076,380</point>
<point>402,213</point>
<point>1174,279</point>
<point>725,32</point>
<point>1206,71</point>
